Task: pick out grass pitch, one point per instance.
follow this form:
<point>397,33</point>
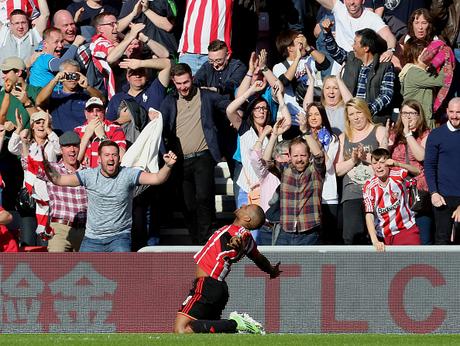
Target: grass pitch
<point>230,340</point>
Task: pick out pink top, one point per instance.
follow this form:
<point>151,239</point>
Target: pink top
<point>268,182</point>
<point>399,154</point>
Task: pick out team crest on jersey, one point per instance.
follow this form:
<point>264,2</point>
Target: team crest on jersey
<point>394,197</point>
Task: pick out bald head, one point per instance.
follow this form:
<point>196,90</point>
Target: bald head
<point>453,112</point>
<point>256,215</point>
<point>249,216</point>
<point>63,20</point>
<point>455,100</point>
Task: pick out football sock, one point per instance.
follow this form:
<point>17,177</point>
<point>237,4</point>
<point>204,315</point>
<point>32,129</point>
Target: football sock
<point>213,326</point>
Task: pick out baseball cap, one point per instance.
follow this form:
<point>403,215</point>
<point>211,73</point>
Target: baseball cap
<point>69,138</point>
<point>40,115</point>
<point>94,101</point>
<point>12,63</point>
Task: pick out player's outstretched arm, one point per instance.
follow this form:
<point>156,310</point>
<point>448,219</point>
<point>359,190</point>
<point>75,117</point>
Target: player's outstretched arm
<point>264,264</point>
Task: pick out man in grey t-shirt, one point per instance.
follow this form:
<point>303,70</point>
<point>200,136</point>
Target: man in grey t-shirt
<point>110,193</point>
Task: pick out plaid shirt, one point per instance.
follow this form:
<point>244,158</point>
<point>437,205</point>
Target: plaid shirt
<point>386,88</point>
<point>300,195</point>
<point>113,132</point>
<point>66,203</point>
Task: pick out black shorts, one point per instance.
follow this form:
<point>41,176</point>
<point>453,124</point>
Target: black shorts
<point>206,300</point>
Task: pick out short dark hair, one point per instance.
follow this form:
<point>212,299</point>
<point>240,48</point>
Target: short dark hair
<point>299,140</point>
<point>284,40</point>
<point>48,32</point>
<point>217,45</point>
<point>372,40</point>
<point>180,69</point>
<point>380,153</point>
<point>257,216</point>
<point>97,20</point>
<point>107,143</point>
<point>17,12</point>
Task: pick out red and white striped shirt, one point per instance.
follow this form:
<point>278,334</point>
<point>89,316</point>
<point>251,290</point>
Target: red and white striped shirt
<point>113,132</point>
<point>206,21</point>
<point>389,204</point>
<point>216,257</point>
<point>100,47</point>
<point>7,6</point>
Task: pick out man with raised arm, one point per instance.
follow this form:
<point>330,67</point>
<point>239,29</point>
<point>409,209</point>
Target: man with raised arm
<point>110,194</point>
<point>202,309</point>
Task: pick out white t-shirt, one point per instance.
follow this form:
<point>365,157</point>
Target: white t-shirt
<point>329,194</point>
<point>346,25</point>
<point>289,93</point>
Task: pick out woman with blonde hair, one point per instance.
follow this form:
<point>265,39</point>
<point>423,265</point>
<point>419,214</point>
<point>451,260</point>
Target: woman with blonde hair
<point>334,95</point>
<point>360,138</point>
<point>407,144</point>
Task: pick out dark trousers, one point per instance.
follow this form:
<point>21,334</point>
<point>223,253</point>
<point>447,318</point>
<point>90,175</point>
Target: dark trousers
<point>331,228</point>
<point>444,221</point>
<point>199,196</point>
<point>354,224</point>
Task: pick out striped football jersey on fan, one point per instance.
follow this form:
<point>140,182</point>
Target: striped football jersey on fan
<point>389,204</point>
<point>206,21</point>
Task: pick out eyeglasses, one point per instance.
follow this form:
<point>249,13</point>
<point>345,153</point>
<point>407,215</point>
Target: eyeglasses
<point>216,61</point>
<point>261,109</point>
<point>112,24</point>
<point>409,114</point>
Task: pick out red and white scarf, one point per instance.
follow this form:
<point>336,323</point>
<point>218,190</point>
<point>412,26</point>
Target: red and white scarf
<point>38,190</point>
<point>100,50</point>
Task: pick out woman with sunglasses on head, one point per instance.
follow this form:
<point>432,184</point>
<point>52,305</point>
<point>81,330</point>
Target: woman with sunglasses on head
<point>407,142</point>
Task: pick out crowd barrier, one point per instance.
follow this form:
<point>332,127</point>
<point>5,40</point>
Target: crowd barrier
<point>322,289</point>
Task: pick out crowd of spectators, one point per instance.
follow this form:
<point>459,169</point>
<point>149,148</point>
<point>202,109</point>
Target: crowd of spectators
<point>344,132</point>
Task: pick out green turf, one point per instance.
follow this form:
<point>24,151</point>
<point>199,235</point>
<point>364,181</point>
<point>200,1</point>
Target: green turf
<point>230,340</point>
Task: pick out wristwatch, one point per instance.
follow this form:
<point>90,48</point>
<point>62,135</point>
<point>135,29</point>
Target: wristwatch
<point>392,49</point>
<point>409,134</point>
<point>264,69</point>
<point>310,50</point>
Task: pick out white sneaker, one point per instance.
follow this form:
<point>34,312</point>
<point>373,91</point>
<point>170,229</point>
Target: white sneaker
<point>246,324</point>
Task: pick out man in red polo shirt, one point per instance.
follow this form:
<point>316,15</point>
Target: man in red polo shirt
<point>95,130</point>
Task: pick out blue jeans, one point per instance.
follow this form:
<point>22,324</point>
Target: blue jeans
<point>304,238</point>
<point>264,236</point>
<point>117,243</point>
<point>193,60</point>
<point>425,225</point>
